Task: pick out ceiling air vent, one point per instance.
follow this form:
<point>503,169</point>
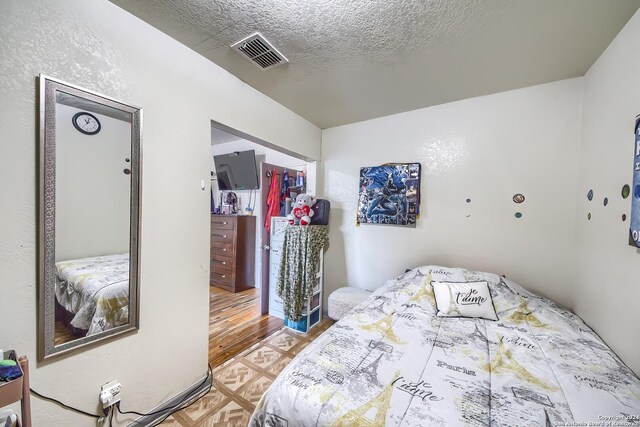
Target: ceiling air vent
<point>259,51</point>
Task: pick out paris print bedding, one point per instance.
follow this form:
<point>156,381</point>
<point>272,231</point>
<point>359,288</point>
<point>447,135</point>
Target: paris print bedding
<point>392,361</point>
<point>95,290</point>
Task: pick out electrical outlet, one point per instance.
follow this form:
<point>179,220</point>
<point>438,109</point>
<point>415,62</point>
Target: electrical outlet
<point>110,393</point>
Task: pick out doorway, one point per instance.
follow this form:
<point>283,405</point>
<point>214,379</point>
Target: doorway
<point>240,319</point>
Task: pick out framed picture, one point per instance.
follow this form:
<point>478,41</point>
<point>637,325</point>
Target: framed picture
<point>389,194</point>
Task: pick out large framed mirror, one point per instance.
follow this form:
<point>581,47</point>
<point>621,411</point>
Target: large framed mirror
<point>90,149</point>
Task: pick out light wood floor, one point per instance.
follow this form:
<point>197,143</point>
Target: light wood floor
<point>62,334</point>
<point>235,323</point>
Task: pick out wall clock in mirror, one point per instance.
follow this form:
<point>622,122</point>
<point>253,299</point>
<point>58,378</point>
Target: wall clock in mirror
<point>86,123</point>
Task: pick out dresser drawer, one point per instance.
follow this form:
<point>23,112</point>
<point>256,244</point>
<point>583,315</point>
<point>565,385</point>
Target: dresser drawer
<point>222,222</point>
<point>221,280</point>
<point>222,236</point>
<point>221,263</point>
<point>221,276</point>
<point>222,247</point>
<point>220,273</point>
<point>218,255</point>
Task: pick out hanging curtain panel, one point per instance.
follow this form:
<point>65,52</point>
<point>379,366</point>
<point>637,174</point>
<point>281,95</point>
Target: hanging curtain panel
<point>389,194</point>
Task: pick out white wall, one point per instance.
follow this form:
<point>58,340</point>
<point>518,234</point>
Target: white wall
<point>99,46</point>
<point>553,143</point>
<point>267,155</point>
<point>607,281</point>
<point>92,192</point>
<point>486,149</point>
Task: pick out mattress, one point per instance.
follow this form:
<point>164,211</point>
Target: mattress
<point>392,361</point>
<point>95,290</point>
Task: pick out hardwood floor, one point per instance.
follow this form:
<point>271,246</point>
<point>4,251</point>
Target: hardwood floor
<point>62,334</point>
<point>235,323</point>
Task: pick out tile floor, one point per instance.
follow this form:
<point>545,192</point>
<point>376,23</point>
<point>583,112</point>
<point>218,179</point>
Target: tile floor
<point>239,384</point>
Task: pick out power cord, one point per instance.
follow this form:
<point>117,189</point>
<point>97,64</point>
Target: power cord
<point>185,407</point>
<point>111,412</point>
<point>173,408</point>
<point>64,405</point>
<point>176,407</point>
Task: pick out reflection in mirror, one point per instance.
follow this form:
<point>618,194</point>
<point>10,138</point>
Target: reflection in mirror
<point>92,218</point>
<point>90,176</point>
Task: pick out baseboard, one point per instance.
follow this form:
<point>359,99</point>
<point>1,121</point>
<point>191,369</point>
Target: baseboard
<point>196,391</point>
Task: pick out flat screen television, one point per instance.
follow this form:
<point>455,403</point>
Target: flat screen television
<point>236,171</point>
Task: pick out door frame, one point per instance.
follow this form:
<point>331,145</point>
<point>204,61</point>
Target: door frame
<point>264,288</point>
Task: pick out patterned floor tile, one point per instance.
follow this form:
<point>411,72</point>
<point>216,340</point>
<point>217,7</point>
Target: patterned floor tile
<point>277,367</point>
<point>263,356</point>
<point>256,389</point>
<point>235,375</point>
<point>243,384</point>
<point>202,407</point>
<point>297,349</point>
<point>283,341</point>
<point>230,415</point>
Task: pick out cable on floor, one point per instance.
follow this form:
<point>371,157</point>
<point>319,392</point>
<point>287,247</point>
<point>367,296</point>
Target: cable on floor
<point>111,412</point>
<point>177,406</point>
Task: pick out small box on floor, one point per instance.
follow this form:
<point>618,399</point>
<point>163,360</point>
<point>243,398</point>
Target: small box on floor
<point>301,325</point>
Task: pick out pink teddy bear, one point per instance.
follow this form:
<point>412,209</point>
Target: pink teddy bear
<point>302,211</point>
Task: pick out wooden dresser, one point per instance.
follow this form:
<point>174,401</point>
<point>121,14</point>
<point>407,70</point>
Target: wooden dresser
<point>233,252</point>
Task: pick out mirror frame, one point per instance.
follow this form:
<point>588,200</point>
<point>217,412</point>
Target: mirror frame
<point>48,88</point>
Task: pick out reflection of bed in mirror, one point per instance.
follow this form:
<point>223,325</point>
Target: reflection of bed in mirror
<point>92,295</point>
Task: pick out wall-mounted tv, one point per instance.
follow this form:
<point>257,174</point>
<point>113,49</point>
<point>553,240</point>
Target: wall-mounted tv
<point>236,171</point>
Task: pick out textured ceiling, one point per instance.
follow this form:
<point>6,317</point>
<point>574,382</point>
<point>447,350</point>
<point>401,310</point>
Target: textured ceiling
<point>353,60</point>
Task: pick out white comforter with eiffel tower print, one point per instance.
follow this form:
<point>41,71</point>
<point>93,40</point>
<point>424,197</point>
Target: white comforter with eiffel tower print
<point>393,362</point>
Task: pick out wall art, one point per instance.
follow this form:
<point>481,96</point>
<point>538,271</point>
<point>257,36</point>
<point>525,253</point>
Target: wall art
<point>389,194</point>
<point>634,223</point>
<point>626,191</point>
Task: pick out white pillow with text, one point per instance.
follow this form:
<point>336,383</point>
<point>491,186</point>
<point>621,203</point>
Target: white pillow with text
<point>464,299</point>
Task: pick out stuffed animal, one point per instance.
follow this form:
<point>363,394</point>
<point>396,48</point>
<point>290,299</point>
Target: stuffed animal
<point>302,212</point>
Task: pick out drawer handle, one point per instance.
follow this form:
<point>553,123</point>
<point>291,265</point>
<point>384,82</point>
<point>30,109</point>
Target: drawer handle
<point>224,249</point>
<point>223,276</point>
<point>224,262</point>
<point>224,236</point>
<point>225,222</point>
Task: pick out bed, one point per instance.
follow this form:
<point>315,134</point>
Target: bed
<point>392,361</point>
<point>93,293</point>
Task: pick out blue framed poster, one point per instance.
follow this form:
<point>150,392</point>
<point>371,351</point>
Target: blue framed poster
<point>634,228</point>
<point>389,194</point>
